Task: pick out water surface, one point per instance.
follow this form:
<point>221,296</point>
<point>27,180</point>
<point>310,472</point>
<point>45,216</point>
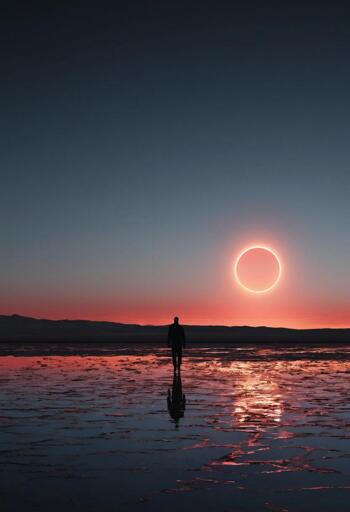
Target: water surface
<point>92,428</point>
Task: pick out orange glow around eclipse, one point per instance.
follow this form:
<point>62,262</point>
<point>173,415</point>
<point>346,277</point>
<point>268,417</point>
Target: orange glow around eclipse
<point>257,269</point>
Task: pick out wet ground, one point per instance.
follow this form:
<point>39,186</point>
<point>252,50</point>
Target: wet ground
<point>109,429</point>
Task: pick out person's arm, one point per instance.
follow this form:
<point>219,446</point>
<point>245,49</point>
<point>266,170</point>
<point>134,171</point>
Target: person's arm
<point>184,338</point>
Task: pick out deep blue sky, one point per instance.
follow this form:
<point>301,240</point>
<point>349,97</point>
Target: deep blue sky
<point>145,143</point>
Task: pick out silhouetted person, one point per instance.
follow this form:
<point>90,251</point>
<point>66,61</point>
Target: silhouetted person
<point>177,341</point>
<point>176,400</point>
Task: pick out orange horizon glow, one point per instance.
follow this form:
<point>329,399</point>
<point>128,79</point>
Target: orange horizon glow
<point>300,301</point>
<point>198,319</point>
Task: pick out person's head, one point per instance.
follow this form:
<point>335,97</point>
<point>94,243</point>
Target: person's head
<point>176,320</point>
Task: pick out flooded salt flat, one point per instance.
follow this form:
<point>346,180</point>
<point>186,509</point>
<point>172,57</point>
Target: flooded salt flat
<point>108,428</point>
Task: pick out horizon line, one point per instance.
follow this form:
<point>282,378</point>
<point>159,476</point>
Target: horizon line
<point>166,324</point>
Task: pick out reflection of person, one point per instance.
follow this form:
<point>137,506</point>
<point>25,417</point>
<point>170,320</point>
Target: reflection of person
<point>176,400</point>
<point>177,341</point>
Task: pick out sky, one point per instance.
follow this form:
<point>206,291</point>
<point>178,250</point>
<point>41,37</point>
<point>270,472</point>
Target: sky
<point>146,144</point>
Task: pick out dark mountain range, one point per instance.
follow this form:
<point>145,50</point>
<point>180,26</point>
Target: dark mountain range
<point>18,328</point>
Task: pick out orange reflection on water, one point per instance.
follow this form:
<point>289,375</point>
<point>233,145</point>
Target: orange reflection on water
<point>257,399</point>
<point>254,385</point>
<point>259,403</point>
<point>81,362</point>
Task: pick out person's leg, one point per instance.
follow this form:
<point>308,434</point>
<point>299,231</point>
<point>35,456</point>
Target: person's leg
<point>179,355</point>
<point>174,358</point>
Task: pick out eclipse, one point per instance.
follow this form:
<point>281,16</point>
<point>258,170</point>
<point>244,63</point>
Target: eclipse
<point>257,269</point>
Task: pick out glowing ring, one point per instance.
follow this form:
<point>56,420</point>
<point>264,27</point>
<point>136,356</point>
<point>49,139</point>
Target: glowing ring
<point>268,249</point>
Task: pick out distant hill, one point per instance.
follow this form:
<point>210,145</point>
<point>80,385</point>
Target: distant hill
<point>18,328</point>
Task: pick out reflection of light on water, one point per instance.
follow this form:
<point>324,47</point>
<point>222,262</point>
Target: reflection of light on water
<point>257,400</point>
<point>258,403</point>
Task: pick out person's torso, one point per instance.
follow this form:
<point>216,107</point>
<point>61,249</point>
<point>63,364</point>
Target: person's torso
<point>176,334</point>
